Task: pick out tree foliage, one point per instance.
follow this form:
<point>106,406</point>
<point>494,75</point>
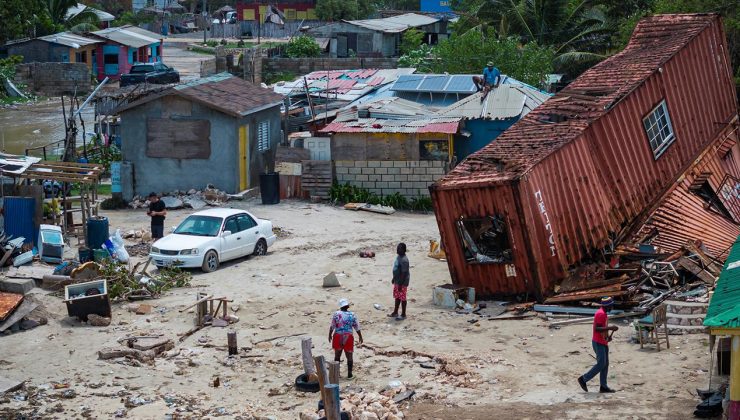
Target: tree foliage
<point>302,46</point>
<point>23,18</point>
<point>411,40</point>
<point>335,10</point>
<point>469,53</point>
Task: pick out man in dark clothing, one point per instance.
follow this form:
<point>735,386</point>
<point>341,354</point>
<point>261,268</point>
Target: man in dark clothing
<point>600,341</point>
<point>401,276</point>
<point>157,211</point>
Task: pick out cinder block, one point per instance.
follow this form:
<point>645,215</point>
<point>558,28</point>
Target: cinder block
<point>355,171</point>
<point>394,184</point>
<point>388,178</point>
<point>362,178</point>
<point>381,171</point>
<point>368,171</point>
<point>381,184</point>
<point>360,164</point>
<point>394,171</point>
<point>406,171</point>
<point>368,184</point>
<point>399,163</point>
<point>402,178</point>
<point>413,164</point>
<point>20,286</point>
<point>342,170</point>
<point>375,177</point>
<point>373,164</point>
<point>424,163</point>
<point>387,163</point>
<point>420,171</point>
<point>344,164</point>
<point>420,185</point>
<point>435,171</point>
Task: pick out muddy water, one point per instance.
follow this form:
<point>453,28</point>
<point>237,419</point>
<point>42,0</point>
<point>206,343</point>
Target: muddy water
<point>38,124</point>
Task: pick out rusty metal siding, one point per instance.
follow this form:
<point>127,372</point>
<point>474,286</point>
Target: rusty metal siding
<point>487,279</point>
<point>596,184</point>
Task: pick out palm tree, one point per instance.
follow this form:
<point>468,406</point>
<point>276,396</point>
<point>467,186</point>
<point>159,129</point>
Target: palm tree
<point>58,11</point>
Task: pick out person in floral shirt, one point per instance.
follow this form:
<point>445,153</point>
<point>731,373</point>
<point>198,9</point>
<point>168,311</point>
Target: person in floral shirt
<point>343,322</point>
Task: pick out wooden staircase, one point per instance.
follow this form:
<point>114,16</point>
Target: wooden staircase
<point>317,177</point>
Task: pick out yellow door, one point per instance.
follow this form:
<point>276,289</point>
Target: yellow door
<point>243,157</point>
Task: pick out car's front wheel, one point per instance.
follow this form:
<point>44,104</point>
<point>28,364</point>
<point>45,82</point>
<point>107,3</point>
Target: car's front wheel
<point>210,262</point>
<point>260,248</point>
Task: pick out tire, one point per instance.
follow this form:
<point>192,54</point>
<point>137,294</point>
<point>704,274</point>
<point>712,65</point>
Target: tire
<point>261,248</point>
<point>303,386</point>
<point>210,262</point>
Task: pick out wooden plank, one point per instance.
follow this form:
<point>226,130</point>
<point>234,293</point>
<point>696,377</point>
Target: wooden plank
<point>26,308</point>
<point>178,139</point>
<point>696,270</point>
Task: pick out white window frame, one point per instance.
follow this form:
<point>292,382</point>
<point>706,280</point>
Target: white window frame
<point>659,129</point>
<point>263,136</point>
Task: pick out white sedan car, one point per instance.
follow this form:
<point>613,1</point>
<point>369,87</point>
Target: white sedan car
<point>206,238</point>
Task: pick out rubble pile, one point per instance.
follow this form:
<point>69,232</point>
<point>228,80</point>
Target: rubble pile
<point>125,284</point>
<point>365,405</point>
<point>193,199</point>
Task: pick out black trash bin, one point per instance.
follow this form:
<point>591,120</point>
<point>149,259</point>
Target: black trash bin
<point>270,188</point>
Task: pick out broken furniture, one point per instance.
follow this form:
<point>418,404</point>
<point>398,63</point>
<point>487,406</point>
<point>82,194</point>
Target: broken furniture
<point>653,324</point>
<point>83,299</point>
<point>447,295</point>
<point>206,314</point>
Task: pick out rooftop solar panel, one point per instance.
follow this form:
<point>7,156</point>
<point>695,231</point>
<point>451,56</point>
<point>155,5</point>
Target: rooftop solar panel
<point>460,84</point>
<point>408,82</point>
<point>434,83</point>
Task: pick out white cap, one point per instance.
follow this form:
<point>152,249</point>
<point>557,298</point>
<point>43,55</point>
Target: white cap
<point>343,302</point>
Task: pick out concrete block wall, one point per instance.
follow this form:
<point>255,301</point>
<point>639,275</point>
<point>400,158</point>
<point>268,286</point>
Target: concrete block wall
<point>386,177</point>
<point>55,79</point>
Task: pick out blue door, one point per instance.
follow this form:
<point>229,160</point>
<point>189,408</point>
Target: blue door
<point>110,60</point>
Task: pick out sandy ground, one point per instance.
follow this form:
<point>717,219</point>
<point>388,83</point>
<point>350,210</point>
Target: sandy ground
<point>507,369</point>
<point>184,61</point>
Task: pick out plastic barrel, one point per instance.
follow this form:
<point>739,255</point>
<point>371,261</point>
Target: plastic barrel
<point>86,254</point>
<point>97,232</point>
<point>19,214</point>
<point>270,188</point>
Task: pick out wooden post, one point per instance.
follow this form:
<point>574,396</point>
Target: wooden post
<point>333,372</point>
<point>307,357</point>
<point>323,375</point>
<point>231,340</point>
<point>734,408</point>
<point>332,407</point>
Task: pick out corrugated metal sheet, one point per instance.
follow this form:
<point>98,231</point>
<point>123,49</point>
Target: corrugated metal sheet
<point>70,39</point>
<point>19,215</point>
<point>580,165</point>
<point>724,308</point>
<point>374,125</point>
<point>127,35</point>
<point>504,102</point>
<point>395,24</point>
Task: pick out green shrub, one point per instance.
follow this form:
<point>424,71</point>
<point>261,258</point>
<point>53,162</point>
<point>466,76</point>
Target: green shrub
<point>347,193</point>
<point>302,46</point>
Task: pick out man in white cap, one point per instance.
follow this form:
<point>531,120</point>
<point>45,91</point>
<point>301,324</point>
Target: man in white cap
<point>600,342</point>
<point>340,333</point>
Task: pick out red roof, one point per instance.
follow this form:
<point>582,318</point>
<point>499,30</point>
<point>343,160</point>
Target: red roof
<point>565,116</point>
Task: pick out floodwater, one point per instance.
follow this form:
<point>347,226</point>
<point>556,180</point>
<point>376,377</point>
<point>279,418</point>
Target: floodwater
<point>32,125</point>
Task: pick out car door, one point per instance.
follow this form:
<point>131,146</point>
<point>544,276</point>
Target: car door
<point>250,232</point>
<point>230,245</point>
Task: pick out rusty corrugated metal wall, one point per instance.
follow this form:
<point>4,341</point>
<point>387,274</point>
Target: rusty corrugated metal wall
<point>578,199</point>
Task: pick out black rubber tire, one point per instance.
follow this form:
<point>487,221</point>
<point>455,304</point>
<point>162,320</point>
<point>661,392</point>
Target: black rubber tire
<point>260,248</point>
<point>210,266</point>
<point>303,386</point>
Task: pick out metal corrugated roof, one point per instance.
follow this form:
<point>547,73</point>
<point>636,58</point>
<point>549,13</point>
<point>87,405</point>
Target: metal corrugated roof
<point>724,308</point>
<point>69,39</point>
<point>504,102</point>
<point>395,24</point>
<point>79,8</point>
<point>375,125</point>
<point>129,36</point>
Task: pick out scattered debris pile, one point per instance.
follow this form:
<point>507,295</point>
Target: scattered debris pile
<point>193,199</point>
<point>14,251</point>
<point>135,284</point>
<point>137,350</point>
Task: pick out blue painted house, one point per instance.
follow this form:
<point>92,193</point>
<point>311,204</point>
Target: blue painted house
<point>485,119</point>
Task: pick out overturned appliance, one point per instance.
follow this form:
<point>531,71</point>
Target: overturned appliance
<point>51,244</point>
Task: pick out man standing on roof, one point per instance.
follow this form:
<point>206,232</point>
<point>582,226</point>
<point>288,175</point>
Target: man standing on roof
<point>340,333</point>
<point>600,342</point>
<point>491,78</point>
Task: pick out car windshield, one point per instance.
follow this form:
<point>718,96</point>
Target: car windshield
<point>200,226</point>
<point>142,69</point>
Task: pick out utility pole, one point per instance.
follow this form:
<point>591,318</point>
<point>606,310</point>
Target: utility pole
<point>205,21</point>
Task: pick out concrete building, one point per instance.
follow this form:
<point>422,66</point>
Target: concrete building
<point>220,130</point>
<point>122,47</point>
<point>378,37</point>
<point>64,47</point>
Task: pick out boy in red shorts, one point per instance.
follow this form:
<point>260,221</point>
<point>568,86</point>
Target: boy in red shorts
<point>342,323</point>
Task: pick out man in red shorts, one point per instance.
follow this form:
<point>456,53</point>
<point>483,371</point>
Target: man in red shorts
<point>340,333</point>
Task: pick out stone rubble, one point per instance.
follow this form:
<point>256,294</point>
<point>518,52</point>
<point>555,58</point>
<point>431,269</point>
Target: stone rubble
<point>194,199</point>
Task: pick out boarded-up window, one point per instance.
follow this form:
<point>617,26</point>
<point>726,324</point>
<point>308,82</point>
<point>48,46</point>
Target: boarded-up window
<point>263,136</point>
<point>178,139</point>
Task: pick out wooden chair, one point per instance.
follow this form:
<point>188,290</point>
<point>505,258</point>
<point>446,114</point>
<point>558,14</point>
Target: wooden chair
<point>652,324</point>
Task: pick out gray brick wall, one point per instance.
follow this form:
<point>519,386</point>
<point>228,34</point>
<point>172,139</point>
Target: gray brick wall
<point>55,79</point>
<point>408,178</point>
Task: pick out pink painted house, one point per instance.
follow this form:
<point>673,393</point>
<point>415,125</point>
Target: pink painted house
<point>123,47</point>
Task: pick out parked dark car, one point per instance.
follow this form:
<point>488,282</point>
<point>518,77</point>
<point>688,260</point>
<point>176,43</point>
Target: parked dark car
<point>156,73</point>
